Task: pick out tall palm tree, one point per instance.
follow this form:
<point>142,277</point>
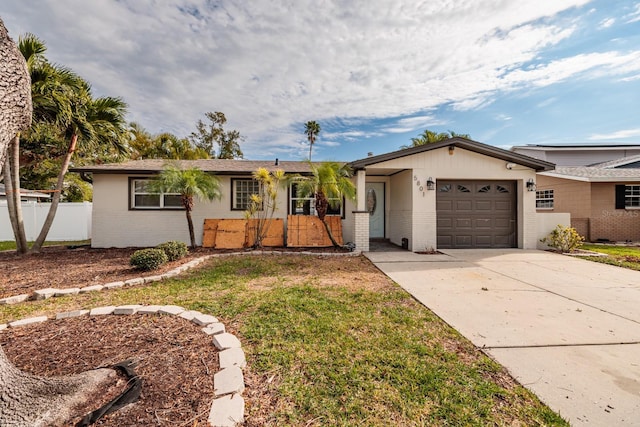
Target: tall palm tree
<point>328,184</point>
<point>27,399</point>
<point>94,123</point>
<point>189,183</point>
<point>431,137</point>
<point>32,49</point>
<point>312,129</point>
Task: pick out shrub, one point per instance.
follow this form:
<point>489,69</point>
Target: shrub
<point>174,249</point>
<point>564,239</point>
<point>148,259</point>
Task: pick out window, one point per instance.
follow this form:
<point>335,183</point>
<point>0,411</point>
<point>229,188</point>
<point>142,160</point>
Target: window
<point>485,189</point>
<point>544,199</point>
<point>306,205</point>
<point>242,189</point>
<point>632,196</point>
<point>143,198</point>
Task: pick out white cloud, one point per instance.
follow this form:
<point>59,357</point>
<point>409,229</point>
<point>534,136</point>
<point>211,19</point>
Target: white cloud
<point>621,134</point>
<point>634,16</point>
<point>271,66</point>
<point>607,23</point>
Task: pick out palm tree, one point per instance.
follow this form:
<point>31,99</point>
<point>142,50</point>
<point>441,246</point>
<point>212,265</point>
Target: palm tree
<point>431,137</point>
<point>328,184</point>
<point>94,123</point>
<point>312,129</point>
<point>32,49</point>
<point>27,399</point>
<point>189,183</point>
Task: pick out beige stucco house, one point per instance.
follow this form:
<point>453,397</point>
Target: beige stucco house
<point>453,194</point>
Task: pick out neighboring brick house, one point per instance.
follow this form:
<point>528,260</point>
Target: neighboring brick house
<point>603,199</point>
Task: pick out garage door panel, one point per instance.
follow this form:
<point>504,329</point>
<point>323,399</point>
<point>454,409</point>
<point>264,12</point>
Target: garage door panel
<point>463,240</point>
<point>483,205</point>
<point>464,206</point>
<point>503,223</point>
<point>483,223</point>
<point>445,241</point>
<point>476,214</point>
<point>504,205</point>
<point>445,223</point>
<point>444,205</point>
<point>462,223</point>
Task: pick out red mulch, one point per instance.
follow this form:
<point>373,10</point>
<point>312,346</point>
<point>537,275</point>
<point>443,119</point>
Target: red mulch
<point>176,361</point>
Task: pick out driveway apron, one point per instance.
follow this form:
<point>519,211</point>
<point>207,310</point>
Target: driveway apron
<point>566,328</point>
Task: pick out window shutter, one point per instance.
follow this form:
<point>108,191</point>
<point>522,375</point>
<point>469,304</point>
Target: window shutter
<point>620,195</point>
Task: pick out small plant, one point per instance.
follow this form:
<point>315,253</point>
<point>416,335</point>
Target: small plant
<point>173,249</point>
<point>148,259</point>
<point>564,239</point>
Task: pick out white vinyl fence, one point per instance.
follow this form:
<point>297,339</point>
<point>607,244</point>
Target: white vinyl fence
<point>72,221</point>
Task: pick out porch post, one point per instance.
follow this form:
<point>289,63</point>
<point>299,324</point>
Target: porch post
<point>361,214</point>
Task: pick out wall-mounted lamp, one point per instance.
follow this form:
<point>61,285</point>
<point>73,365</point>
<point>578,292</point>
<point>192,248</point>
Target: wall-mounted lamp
<point>451,149</point>
<point>431,184</point>
<point>531,186</point>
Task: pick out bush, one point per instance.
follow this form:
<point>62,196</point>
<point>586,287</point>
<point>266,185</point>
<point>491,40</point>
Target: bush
<point>564,239</point>
<point>174,249</point>
<point>148,259</point>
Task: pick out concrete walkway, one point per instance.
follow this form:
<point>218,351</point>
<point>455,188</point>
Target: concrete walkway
<point>566,328</point>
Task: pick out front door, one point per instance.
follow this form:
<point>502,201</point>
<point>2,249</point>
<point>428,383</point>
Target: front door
<point>375,206</point>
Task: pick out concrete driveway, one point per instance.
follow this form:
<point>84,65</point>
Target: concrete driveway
<point>566,328</point>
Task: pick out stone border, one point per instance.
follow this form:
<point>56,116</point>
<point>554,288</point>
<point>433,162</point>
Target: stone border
<point>227,408</point>
<point>47,293</point>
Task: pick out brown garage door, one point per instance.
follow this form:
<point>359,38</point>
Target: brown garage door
<point>476,214</point>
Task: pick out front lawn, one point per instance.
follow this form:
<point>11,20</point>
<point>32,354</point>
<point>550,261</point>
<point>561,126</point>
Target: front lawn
<point>333,342</point>
<point>8,245</point>
<point>621,256</point>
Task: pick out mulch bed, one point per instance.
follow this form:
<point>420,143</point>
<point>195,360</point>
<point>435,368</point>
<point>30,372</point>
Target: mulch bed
<point>62,268</point>
<point>176,361</point>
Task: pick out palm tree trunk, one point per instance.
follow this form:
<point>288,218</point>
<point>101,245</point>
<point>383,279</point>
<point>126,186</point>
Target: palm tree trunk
<point>12,186</point>
<point>28,400</point>
<point>330,234</point>
<point>55,200</point>
<point>192,234</point>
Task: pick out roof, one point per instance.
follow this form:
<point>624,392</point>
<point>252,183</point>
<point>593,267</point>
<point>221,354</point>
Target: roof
<point>30,194</point>
<point>610,171</point>
<point>467,144</point>
<point>218,166</point>
<point>574,147</point>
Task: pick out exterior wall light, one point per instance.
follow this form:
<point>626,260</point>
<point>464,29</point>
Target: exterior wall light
<point>431,184</point>
<point>451,149</point>
<point>531,186</point>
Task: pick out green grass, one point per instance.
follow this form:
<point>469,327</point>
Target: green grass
<point>621,256</point>
<point>11,244</point>
<point>327,354</point>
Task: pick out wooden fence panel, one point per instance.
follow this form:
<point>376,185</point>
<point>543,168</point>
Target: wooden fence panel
<point>274,237</point>
<point>231,234</point>
<point>309,231</point>
<point>237,234</point>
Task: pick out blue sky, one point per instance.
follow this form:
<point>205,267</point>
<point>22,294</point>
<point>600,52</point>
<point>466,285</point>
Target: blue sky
<point>373,73</point>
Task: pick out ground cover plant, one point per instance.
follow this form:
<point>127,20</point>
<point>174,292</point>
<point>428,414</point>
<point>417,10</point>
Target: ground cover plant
<point>622,256</point>
<point>330,341</point>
